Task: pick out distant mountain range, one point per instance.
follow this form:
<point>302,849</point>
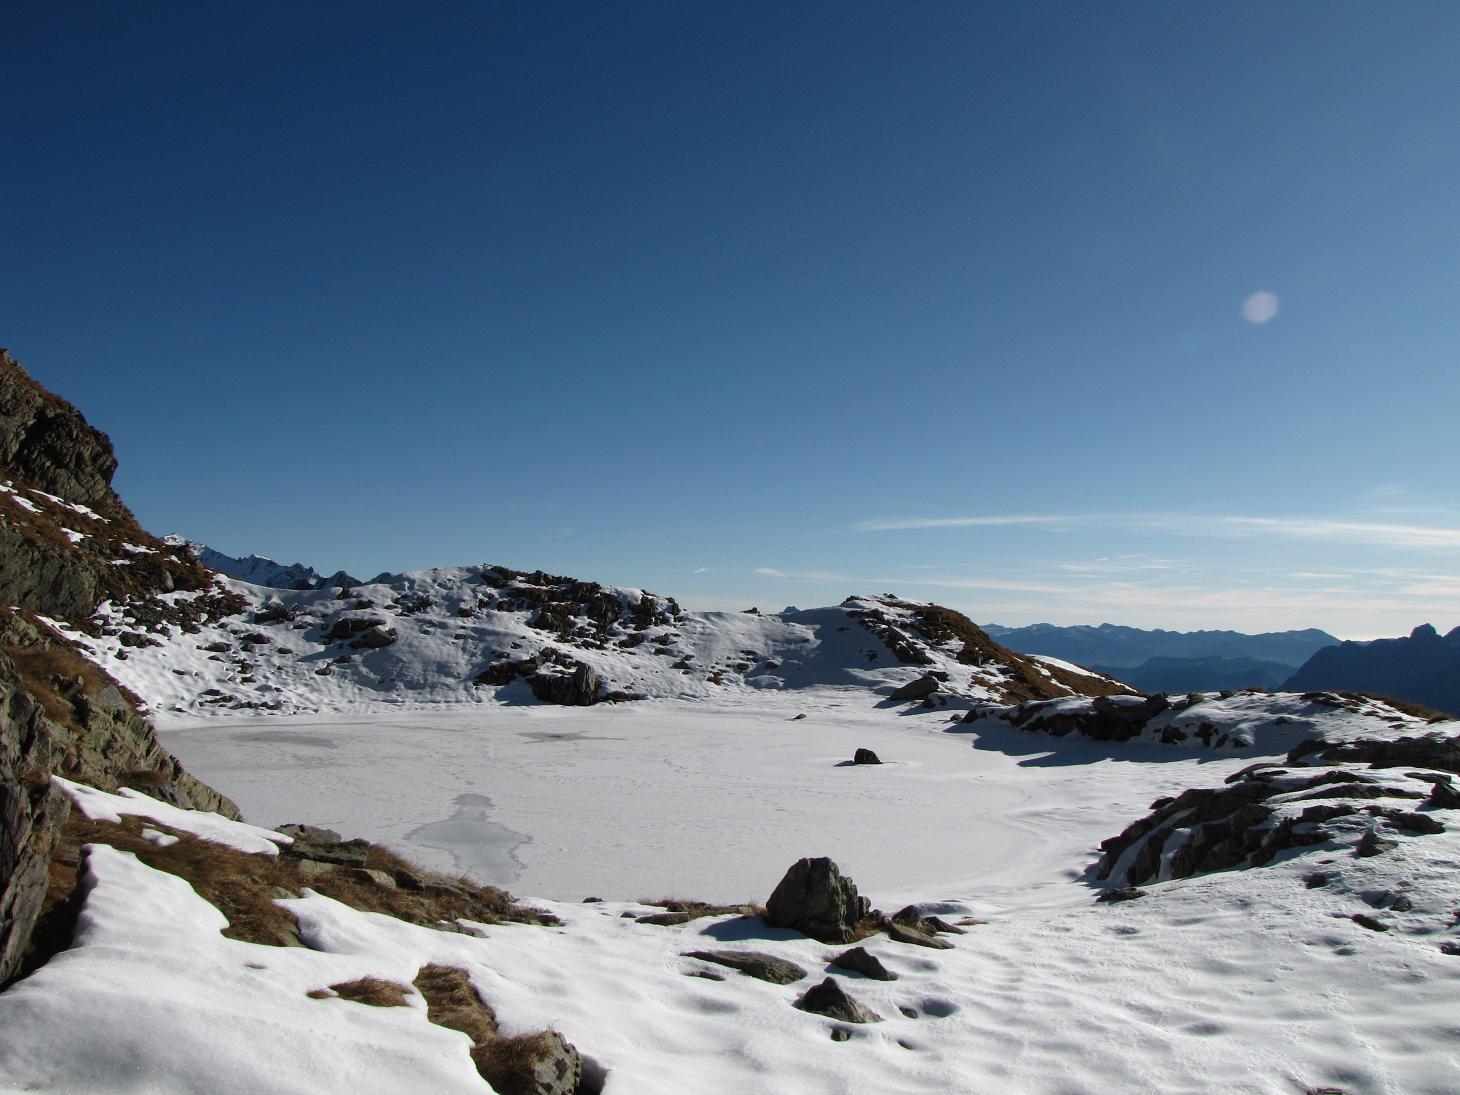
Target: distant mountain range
<point>1422,668</point>
<point>259,571</point>
<point>1200,674</point>
<point>1123,648</point>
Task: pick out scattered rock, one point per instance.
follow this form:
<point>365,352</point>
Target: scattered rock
<point>1443,797</point>
<point>915,936</point>
<point>312,834</point>
<point>1122,893</point>
<point>938,924</point>
<point>830,999</point>
<point>858,960</point>
<point>798,718</point>
<point>374,638</point>
<point>763,967</point>
<point>865,756</point>
<point>919,689</point>
<point>815,899</point>
<point>1364,920</point>
<point>1372,844</point>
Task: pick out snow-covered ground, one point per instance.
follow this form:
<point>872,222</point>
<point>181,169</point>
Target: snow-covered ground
<point>1237,981</point>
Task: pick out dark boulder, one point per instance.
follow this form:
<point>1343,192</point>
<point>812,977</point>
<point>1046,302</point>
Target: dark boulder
<point>919,689</point>
<point>763,967</point>
<point>865,756</point>
<point>857,960</point>
<point>830,999</point>
<point>576,689</point>
<point>815,899</point>
<point>374,638</point>
<point>347,627</point>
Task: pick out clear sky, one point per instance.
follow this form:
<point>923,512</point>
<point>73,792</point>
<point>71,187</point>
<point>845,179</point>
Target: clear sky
<point>1139,312</point>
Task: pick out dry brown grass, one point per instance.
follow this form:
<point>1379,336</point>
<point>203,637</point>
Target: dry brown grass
<point>242,886</point>
<point>365,990</point>
<point>452,1002</point>
<point>505,1063</point>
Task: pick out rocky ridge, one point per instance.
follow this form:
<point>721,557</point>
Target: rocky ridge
<point>1251,720</point>
<point>470,634</point>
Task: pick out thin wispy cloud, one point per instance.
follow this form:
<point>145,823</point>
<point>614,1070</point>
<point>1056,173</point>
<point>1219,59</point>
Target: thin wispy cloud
<point>1215,526</point>
<point>891,524</point>
<point>771,572</point>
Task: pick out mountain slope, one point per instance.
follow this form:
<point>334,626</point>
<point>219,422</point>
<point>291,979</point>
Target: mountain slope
<point>1423,667</point>
<point>479,633</point>
<point>1117,646</point>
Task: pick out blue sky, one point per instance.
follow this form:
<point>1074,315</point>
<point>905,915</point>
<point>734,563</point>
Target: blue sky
<point>1135,312</point>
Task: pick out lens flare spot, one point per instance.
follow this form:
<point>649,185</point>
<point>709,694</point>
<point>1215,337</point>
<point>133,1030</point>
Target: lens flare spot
<point>1260,307</point>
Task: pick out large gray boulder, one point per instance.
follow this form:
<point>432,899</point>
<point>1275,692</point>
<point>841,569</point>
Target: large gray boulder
<point>815,899</point>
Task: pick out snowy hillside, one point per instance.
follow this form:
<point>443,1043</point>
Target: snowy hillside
<point>1330,964</point>
<point>474,634</point>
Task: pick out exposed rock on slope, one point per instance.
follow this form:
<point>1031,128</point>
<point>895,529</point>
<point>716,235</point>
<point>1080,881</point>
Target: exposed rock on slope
<point>67,542</point>
<point>1422,668</point>
<point>469,634</point>
<point>1257,721</point>
<point>1338,807</point>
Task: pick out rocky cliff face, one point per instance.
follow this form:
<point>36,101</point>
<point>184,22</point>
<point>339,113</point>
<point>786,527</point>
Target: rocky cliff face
<point>67,542</point>
<point>1423,668</point>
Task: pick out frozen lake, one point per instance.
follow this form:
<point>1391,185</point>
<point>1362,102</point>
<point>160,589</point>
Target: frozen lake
<point>644,800</point>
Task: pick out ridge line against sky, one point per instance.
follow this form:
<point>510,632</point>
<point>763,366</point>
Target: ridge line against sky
<point>1065,312</point>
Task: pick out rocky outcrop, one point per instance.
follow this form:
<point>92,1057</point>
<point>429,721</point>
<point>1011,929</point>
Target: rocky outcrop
<point>814,898</point>
<point>66,539</point>
<point>67,542</point>
<point>915,632</point>
<point>578,688</point>
<point>1267,809</point>
<point>1106,718</point>
<point>1422,668</point>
